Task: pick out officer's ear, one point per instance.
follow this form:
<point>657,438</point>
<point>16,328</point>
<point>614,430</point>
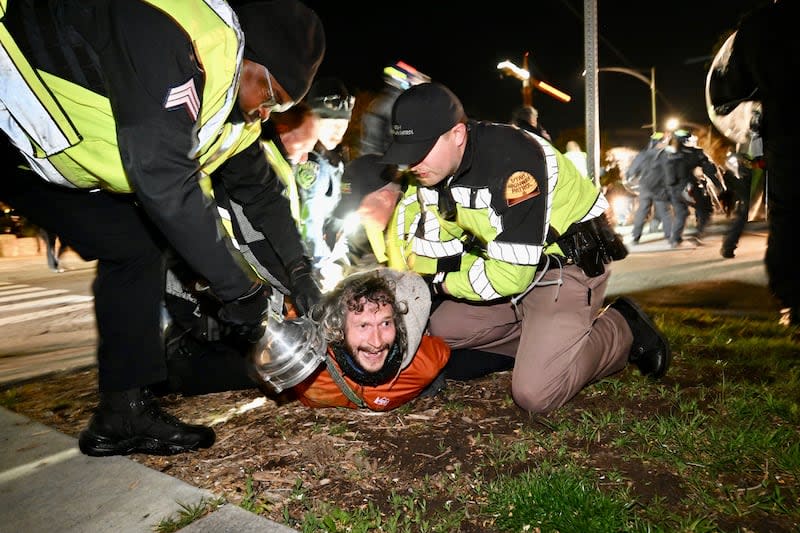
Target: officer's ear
<point>459,132</point>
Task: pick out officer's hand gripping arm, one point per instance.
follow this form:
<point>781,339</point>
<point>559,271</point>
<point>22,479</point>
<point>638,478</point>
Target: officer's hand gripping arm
<point>245,317</point>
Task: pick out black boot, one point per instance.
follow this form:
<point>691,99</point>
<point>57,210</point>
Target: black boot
<point>650,350</point>
<point>133,422</point>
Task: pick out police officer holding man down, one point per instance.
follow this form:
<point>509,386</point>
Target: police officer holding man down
<point>515,244</point>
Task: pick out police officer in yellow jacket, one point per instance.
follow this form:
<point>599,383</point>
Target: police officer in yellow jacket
<point>126,108</point>
<point>516,244</point>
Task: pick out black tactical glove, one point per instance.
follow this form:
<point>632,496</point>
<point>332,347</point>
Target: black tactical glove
<point>305,291</point>
<point>245,317</point>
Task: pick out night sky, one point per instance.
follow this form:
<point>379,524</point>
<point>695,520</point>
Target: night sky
<point>460,46</point>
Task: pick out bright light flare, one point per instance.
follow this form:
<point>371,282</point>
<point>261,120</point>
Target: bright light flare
<point>513,70</point>
<point>621,206</point>
<point>552,91</point>
<point>351,223</point>
<point>330,275</point>
<point>672,123</point>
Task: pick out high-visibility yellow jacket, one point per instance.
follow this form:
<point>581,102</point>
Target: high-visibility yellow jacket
<point>510,189</point>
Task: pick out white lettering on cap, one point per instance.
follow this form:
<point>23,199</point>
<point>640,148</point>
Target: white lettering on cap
<point>398,131</point>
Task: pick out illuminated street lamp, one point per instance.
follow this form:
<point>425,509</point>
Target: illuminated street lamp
<point>651,82</point>
<point>672,124</point>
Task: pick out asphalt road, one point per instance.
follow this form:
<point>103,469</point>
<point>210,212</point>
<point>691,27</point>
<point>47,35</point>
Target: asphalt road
<point>47,319</point>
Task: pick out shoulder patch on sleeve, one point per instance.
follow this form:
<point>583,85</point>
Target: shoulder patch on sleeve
<point>520,186</point>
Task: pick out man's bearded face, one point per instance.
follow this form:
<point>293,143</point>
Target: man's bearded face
<point>370,334</point>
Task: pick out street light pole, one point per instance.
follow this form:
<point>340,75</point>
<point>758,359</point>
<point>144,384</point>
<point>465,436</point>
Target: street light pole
<point>651,82</point>
<point>527,96</point>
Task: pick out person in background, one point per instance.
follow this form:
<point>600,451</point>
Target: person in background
<point>54,248</point>
<point>287,139</point>
<point>648,168</point>
<point>527,118</point>
<point>578,157</point>
<point>319,179</point>
<point>376,131</point>
<point>514,244</point>
<point>144,101</point>
<point>370,191</point>
<point>742,170</point>
<point>687,169</point>
<point>378,354</point>
<point>298,130</point>
<point>762,64</point>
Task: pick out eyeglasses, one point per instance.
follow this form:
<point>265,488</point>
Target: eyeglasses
<point>338,102</point>
<point>272,103</point>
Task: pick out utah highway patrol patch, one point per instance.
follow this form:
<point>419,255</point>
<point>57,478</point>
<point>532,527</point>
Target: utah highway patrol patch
<point>520,186</point>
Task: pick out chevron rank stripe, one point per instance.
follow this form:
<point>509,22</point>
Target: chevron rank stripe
<point>184,95</point>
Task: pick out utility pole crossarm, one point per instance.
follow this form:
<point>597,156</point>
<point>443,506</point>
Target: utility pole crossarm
<point>528,81</point>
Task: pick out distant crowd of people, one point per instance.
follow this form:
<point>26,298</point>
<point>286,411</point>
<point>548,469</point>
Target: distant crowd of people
<point>674,176</point>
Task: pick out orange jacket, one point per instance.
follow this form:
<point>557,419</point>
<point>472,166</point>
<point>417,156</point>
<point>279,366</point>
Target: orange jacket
<point>320,390</point>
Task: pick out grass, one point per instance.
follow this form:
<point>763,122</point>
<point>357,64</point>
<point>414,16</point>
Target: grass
<point>188,514</point>
<point>724,431</point>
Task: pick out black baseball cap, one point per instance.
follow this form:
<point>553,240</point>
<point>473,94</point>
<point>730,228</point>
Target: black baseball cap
<point>420,115</point>
<point>287,37</point>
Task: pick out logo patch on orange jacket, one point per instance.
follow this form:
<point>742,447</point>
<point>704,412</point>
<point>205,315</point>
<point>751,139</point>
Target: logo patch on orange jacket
<point>519,187</point>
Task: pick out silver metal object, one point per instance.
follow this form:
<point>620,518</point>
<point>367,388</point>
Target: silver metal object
<point>288,352</point>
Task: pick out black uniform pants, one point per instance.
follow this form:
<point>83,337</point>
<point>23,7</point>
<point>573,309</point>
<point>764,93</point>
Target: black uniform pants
<point>129,282</point>
<point>783,197</point>
<point>741,190</point>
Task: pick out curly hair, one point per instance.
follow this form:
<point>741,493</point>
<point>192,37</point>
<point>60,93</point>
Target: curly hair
<point>352,294</point>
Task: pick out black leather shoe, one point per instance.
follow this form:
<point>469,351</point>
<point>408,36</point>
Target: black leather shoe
<point>133,422</point>
<point>650,350</point>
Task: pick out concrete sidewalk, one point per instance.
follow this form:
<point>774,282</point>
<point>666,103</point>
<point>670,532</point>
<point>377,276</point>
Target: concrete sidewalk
<point>46,484</point>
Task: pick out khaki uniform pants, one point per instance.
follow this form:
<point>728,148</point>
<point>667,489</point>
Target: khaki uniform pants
<point>559,338</point>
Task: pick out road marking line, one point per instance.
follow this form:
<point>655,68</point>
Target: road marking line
<point>41,303</point>
<point>5,292</point>
<point>36,315</point>
<point>24,470</point>
<point>9,286</point>
<point>43,292</point>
